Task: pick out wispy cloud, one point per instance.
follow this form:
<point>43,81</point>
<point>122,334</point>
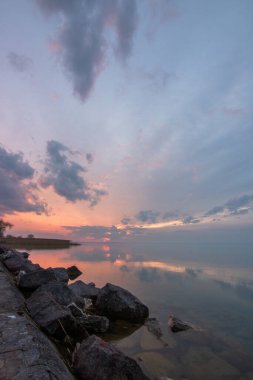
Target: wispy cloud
<point>81,41</point>
<point>66,176</point>
<point>126,221</point>
<point>236,206</point>
<point>147,216</point>
<point>190,220</point>
<point>19,62</point>
<point>89,158</point>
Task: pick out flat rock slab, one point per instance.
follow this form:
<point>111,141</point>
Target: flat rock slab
<point>25,352</point>
<point>9,292</point>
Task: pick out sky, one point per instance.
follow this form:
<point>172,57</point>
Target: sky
<point>119,118</point>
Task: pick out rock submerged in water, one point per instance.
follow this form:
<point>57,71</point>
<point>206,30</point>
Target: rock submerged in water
<point>154,327</point>
<point>117,303</point>
<point>97,359</point>
<point>177,325</point>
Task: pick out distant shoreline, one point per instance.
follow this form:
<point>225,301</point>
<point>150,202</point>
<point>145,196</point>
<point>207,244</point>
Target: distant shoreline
<point>33,243</point>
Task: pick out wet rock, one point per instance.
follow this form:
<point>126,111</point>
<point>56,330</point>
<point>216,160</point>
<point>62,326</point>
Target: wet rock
<point>149,341</point>
<point>156,364</point>
<point>61,274</point>
<point>61,293</point>
<point>33,280</point>
<point>154,327</point>
<point>92,323</point>
<point>177,325</point>
<point>203,363</point>
<point>83,290</point>
<point>117,303</point>
<point>53,318</point>
<point>73,272</point>
<point>97,359</point>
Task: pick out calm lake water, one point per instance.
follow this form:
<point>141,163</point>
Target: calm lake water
<point>208,284</point>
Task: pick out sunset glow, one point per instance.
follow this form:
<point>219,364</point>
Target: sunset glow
<point>139,130</point>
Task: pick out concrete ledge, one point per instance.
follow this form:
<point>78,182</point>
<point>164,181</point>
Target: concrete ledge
<point>25,352</point>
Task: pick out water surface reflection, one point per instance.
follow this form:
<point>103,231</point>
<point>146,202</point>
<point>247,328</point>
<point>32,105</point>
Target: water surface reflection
<point>216,297</point>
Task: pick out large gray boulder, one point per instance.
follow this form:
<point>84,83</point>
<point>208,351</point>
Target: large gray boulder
<point>84,290</point>
<point>117,303</point>
<point>53,318</point>
<point>97,359</point>
<point>61,274</point>
<point>60,292</point>
<point>33,280</point>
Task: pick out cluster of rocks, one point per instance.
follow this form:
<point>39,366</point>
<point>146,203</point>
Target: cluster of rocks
<point>73,315</point>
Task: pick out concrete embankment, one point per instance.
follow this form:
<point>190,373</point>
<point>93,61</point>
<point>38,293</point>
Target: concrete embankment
<point>25,352</point>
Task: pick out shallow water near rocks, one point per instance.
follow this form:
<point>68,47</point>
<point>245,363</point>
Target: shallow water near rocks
<point>208,284</point>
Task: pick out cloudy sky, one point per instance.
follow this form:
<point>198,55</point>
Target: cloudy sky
<point>124,116</point>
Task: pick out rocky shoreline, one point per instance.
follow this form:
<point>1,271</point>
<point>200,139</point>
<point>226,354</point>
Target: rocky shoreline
<point>51,330</point>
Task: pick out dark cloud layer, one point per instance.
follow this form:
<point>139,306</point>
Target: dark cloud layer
<point>17,192</point>
<point>82,37</point>
<point>66,176</point>
<point>89,158</point>
<point>19,62</point>
<point>126,221</point>
<point>147,216</point>
<point>170,215</point>
<point>100,233</point>
<point>190,220</point>
<point>236,206</point>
